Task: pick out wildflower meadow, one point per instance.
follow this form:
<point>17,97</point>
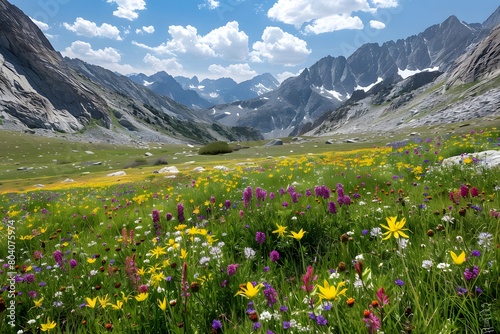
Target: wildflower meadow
<point>383,239</point>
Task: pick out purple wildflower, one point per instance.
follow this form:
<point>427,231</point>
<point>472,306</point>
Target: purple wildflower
<point>156,216</point>
<point>464,191</point>
<point>73,263</point>
<point>29,278</point>
<point>180,212</point>
<point>270,294</point>
<point>256,326</point>
<point>247,196</point>
<point>461,291</point>
<point>475,253</point>
<point>260,237</point>
<point>283,308</point>
<point>231,269</point>
<point>275,256</point>
<point>58,257</point>
<point>286,324</point>
<point>469,275</point>
<point>399,282</point>
<point>321,320</point>
<point>372,322</point>
<point>216,324</point>
<point>332,208</point>
<point>169,216</point>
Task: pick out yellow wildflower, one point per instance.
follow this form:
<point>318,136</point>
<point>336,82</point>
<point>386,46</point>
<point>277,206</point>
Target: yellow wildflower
<point>249,291</point>
<point>91,302</point>
<point>48,326</point>
<point>162,304</point>
<point>458,259</point>
<point>394,228</point>
<point>297,235</point>
<point>142,296</point>
<point>330,292</point>
<point>281,230</point>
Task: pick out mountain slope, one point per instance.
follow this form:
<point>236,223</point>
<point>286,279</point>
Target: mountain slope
<point>324,86</point>
<point>226,90</point>
<point>165,85</point>
<point>31,73</point>
<point>40,90</point>
<point>469,91</point>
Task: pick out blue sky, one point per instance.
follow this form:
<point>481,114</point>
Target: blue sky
<point>232,38</point>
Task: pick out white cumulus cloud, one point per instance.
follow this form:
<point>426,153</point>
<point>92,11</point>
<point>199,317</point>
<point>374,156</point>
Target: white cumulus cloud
<point>210,4</point>
<point>322,16</point>
<point>84,51</point>
<point>279,47</point>
<point>41,25</point>
<point>87,28</point>
<point>285,75</point>
<point>226,42</point>
<point>127,9</point>
<point>238,72</point>
<point>108,57</point>
<point>144,29</point>
<point>377,24</point>
<point>169,65</point>
<point>334,23</point>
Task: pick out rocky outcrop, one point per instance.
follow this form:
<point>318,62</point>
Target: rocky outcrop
<point>38,90</point>
<point>483,61</point>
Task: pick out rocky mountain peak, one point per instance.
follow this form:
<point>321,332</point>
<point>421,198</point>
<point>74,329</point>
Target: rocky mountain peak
<point>493,20</point>
<point>38,89</point>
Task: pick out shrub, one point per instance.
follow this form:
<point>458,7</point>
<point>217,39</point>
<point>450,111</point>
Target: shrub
<point>136,163</point>
<point>160,161</point>
<point>218,147</point>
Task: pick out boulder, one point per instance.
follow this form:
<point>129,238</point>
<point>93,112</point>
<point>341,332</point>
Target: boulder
<point>169,169</point>
<point>120,173</point>
<point>489,159</point>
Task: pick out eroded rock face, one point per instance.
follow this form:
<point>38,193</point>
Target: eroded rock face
<point>37,89</point>
<point>481,62</point>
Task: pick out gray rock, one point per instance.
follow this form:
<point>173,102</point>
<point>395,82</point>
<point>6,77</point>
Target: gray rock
<point>275,142</point>
<point>120,173</point>
<point>169,169</point>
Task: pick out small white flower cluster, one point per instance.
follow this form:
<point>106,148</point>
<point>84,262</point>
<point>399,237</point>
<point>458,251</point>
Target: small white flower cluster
<point>267,316</point>
<point>444,267</point>
<point>448,219</point>
<point>249,253</point>
<point>427,264</point>
<point>484,239</point>
<point>376,232</point>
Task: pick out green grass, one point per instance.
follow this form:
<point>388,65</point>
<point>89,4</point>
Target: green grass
<point>195,258</point>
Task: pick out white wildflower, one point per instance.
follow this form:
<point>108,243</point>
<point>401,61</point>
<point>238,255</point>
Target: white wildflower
<point>249,253</point>
<point>427,264</point>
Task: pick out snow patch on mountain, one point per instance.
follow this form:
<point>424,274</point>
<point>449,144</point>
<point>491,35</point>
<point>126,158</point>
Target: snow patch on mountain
<point>367,88</point>
<point>408,73</point>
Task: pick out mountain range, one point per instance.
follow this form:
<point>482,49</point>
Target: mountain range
<point>299,102</point>
<point>447,73</point>
<point>43,92</point>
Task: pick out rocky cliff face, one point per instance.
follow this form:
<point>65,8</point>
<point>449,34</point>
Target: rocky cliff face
<point>31,77</point>
<point>481,62</point>
<point>323,87</point>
